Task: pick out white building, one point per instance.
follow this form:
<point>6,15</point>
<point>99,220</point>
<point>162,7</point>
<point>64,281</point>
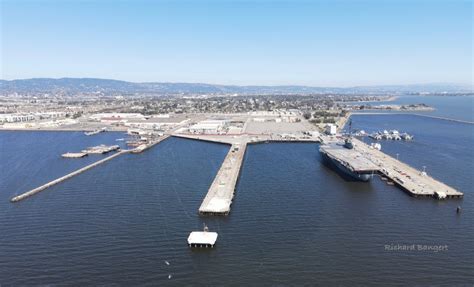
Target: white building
<point>330,129</point>
<point>156,122</point>
<point>16,118</point>
<point>208,127</point>
<point>51,115</point>
<point>116,117</point>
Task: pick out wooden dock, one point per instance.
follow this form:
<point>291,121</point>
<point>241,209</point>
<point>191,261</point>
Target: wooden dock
<point>219,197</point>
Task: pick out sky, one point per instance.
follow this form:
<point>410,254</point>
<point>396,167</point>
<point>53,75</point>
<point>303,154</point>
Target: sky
<point>316,43</point>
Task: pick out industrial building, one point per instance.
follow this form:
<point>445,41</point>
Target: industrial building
<point>209,127</point>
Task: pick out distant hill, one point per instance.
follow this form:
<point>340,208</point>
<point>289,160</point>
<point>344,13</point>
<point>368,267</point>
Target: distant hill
<point>106,86</point>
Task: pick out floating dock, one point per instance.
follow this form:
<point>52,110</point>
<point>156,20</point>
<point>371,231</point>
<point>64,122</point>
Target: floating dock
<point>74,154</point>
<point>203,238</point>
<point>220,194</point>
<point>100,149</point>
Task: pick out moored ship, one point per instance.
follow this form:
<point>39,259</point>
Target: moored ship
<point>348,161</point>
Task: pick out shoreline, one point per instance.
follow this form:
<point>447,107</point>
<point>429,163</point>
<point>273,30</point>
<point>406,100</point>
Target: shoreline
<point>341,123</point>
<point>377,108</point>
<point>53,130</point>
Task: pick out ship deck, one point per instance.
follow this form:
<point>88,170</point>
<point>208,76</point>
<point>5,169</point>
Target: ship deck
<point>352,158</point>
<point>364,159</point>
<point>408,178</point>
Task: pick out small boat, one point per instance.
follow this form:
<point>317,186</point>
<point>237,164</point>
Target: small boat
<point>376,136</point>
<point>387,136</point>
<point>406,137</point>
<point>376,146</point>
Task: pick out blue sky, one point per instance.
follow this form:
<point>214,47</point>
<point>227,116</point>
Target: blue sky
<point>319,43</point>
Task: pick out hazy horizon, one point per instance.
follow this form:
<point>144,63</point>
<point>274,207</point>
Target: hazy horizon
<point>221,84</point>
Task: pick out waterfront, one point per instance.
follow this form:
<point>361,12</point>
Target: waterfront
<point>293,220</point>
<point>453,107</point>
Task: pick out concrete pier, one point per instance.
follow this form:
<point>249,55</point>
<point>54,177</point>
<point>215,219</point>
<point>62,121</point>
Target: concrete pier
<point>138,149</point>
<point>144,147</point>
<point>220,194</point>
<point>249,138</point>
<point>63,178</point>
<point>413,114</point>
<point>413,181</point>
<point>362,158</point>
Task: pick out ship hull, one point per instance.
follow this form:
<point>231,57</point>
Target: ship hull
<point>344,171</point>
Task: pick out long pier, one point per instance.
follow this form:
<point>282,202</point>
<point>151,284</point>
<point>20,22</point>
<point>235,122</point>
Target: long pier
<point>219,197</point>
<point>416,183</point>
<point>413,181</point>
<point>409,179</point>
<point>63,178</point>
<point>444,118</point>
<point>138,149</point>
<point>221,192</point>
<point>389,113</point>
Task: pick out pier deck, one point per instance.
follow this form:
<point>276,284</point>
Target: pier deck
<point>250,138</point>
<point>220,194</point>
<point>143,147</point>
<point>409,179</point>
<point>74,154</point>
<point>81,170</point>
<point>63,178</point>
<point>209,138</point>
<point>353,159</point>
<point>202,239</point>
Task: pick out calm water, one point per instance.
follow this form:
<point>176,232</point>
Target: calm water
<point>293,222</point>
<point>453,107</point>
